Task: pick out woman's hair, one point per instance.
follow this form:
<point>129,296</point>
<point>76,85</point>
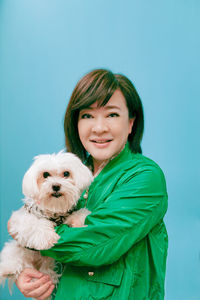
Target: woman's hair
<point>99,85</point>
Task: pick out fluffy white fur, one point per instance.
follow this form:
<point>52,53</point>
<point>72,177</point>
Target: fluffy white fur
<point>52,187</point>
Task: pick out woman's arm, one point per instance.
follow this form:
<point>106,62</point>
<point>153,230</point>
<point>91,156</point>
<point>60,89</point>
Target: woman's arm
<point>125,217</point>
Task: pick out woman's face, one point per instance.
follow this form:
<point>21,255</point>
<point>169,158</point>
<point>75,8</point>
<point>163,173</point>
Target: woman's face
<point>104,130</point>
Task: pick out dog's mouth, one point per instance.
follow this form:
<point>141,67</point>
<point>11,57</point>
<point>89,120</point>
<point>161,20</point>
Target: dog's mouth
<point>56,194</point>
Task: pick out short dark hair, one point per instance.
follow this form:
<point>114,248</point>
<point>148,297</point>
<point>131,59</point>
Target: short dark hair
<point>99,85</point>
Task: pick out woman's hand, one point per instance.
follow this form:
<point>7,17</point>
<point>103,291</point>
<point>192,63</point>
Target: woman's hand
<point>34,284</point>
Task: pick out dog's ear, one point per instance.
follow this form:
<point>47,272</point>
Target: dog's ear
<point>29,184</point>
<point>83,177</point>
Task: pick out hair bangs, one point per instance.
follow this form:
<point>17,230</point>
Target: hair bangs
<point>95,88</point>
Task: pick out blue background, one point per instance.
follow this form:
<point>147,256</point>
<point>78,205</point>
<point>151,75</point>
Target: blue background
<point>47,46</point>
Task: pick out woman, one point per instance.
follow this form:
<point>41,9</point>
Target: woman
<point>121,253</point>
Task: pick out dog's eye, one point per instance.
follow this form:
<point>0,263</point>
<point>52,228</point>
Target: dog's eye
<point>66,174</point>
<point>46,174</point>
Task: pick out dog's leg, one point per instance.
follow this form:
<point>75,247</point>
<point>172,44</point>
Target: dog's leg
<point>77,218</point>
<point>31,231</point>
<point>48,266</point>
<point>13,259</point>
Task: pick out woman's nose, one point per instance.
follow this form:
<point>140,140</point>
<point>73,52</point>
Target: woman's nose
<point>99,126</point>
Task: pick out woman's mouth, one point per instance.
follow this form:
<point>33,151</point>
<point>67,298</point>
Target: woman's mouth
<point>101,143</point>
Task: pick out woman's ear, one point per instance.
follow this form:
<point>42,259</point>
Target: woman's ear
<point>131,122</point>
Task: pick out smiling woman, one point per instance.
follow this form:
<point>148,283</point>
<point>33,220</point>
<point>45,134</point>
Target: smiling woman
<point>108,96</point>
<point>121,251</point>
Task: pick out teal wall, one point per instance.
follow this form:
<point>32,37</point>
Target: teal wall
<point>46,46</point>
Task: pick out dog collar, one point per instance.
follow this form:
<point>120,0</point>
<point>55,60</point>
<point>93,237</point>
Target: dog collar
<point>39,213</point>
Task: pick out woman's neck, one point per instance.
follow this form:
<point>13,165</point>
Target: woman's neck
<point>98,166</point>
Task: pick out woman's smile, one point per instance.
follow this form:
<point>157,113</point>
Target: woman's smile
<point>101,143</point>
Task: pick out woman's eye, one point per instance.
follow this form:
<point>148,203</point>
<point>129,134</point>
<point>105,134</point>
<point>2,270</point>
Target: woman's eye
<point>66,174</point>
<point>86,116</point>
<point>46,174</point>
<point>113,115</point>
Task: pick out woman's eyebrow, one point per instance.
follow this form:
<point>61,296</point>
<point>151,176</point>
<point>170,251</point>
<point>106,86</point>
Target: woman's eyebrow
<point>107,107</point>
<point>112,107</point>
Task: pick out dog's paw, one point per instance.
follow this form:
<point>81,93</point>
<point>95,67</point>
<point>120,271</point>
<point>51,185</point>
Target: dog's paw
<point>50,241</point>
<point>77,218</point>
<point>7,272</point>
<point>73,222</point>
<point>43,241</point>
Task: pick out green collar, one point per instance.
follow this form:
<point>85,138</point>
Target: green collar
<point>124,156</point>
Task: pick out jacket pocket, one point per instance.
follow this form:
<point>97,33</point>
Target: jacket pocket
<point>88,283</point>
<point>109,274</point>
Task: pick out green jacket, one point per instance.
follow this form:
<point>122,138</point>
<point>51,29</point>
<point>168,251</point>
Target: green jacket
<point>122,252</point>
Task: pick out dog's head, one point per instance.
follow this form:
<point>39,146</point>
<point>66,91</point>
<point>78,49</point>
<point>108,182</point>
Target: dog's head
<point>56,181</point>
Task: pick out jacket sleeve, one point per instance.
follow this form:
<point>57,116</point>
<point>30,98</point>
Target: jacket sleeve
<point>136,205</point>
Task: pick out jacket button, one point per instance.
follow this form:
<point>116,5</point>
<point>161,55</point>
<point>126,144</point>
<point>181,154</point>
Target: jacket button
<point>90,273</point>
<point>85,196</point>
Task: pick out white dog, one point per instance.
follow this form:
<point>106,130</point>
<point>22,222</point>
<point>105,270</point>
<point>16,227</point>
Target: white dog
<point>52,187</point>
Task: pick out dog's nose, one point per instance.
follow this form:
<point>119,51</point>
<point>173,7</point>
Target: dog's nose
<point>56,188</point>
